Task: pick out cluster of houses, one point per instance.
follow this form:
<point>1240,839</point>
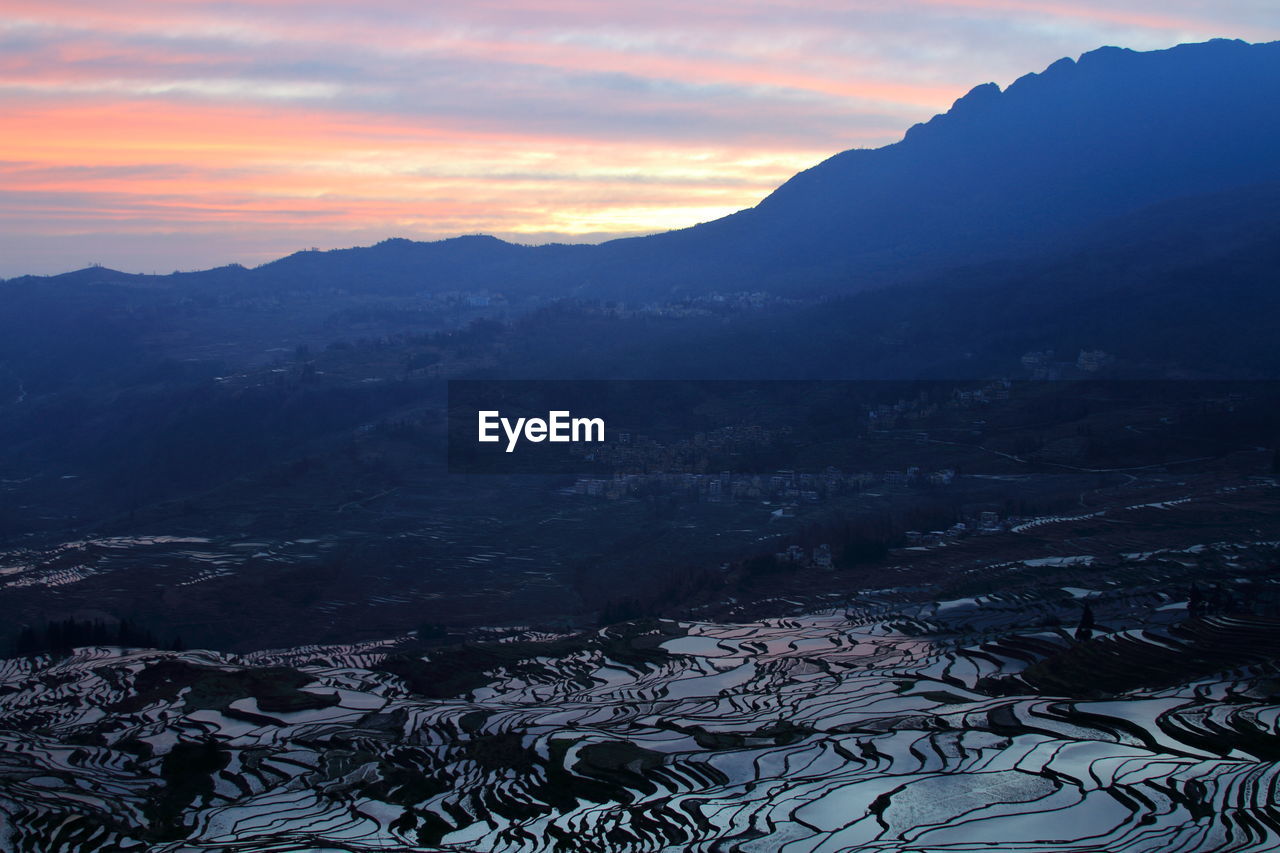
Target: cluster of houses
<point>909,411</point>
<point>1043,364</point>
<point>640,453</point>
<point>987,521</point>
<point>788,487</point>
<point>796,556</point>
<point>914,476</point>
<point>821,557</point>
<point>714,303</point>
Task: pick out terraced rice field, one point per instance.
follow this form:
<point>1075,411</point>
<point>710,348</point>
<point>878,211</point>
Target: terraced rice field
<point>886,725</point>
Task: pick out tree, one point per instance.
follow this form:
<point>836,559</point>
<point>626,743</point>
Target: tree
<point>1195,602</point>
<point>1084,631</point>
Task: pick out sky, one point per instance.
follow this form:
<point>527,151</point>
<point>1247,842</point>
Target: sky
<point>155,135</point>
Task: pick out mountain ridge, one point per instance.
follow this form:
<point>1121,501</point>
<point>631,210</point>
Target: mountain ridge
<point>999,173</point>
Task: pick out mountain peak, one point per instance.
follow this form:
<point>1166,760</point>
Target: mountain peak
<point>976,97</point>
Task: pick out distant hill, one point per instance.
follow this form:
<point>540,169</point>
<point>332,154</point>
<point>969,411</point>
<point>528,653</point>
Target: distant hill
<point>1001,173</point>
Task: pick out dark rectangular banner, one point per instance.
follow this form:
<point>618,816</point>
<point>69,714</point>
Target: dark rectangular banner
<point>627,429</point>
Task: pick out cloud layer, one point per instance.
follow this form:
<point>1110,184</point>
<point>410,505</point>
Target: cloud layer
<point>161,134</point>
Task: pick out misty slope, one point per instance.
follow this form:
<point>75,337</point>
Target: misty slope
<point>999,173</point>
<point>1185,286</point>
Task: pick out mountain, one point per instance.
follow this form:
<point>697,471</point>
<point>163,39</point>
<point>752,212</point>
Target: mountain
<point>1000,173</point>
<point>1126,203</point>
<point>1183,287</point>
<point>1055,152</point>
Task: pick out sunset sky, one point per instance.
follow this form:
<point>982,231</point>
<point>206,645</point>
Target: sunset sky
<point>153,136</point>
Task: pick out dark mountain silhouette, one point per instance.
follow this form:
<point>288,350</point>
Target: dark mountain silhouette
<point>1056,151</point>
<point>1002,172</point>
